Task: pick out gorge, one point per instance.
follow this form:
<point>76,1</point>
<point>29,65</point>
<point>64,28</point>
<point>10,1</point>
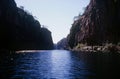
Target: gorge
<point>27,49</point>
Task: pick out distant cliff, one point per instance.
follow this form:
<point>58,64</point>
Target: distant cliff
<point>62,44</point>
<point>19,29</point>
<point>100,23</point>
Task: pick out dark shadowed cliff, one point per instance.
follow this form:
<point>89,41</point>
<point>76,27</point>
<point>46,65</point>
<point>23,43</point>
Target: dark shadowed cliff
<point>100,23</point>
<point>19,29</point>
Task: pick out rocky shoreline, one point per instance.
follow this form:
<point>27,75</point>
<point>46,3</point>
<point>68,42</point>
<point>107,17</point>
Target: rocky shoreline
<point>104,48</point>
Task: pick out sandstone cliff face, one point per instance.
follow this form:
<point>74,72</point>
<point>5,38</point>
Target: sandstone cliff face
<point>19,29</point>
<point>100,23</point>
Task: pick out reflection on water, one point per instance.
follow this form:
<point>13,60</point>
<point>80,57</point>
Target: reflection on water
<point>59,64</point>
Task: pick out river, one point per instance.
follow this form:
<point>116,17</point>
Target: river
<point>59,64</point>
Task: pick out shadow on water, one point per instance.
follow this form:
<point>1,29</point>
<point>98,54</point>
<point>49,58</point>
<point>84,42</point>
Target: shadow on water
<point>103,65</point>
<point>59,64</point>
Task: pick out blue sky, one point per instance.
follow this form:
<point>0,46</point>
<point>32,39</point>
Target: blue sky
<point>56,15</point>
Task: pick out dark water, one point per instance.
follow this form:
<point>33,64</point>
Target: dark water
<point>60,64</point>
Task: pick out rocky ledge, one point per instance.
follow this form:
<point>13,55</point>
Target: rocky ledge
<point>104,48</point>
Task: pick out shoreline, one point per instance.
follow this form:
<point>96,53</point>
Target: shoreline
<point>103,49</point>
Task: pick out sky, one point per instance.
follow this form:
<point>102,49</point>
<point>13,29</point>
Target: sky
<point>56,15</point>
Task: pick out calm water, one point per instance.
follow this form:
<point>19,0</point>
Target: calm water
<point>59,64</point>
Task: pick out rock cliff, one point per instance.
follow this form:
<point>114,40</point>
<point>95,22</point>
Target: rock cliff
<point>62,44</point>
<point>100,23</point>
<point>19,30</point>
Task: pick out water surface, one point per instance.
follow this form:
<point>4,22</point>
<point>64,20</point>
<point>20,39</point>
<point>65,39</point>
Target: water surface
<point>59,64</point>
